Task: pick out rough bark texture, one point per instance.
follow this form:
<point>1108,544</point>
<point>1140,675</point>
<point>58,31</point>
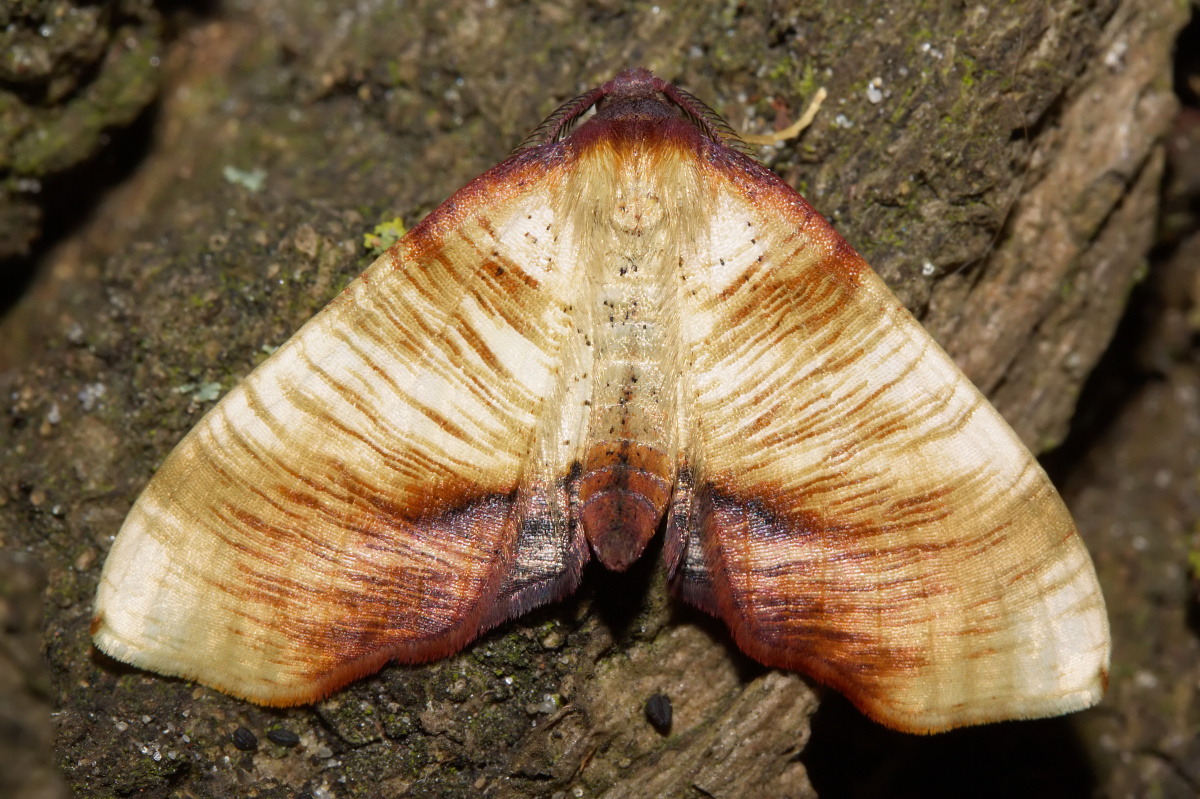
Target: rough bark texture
<point>69,72</point>
<point>997,164</point>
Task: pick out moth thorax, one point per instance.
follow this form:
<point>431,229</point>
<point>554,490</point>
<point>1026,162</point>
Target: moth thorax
<point>640,211</point>
<point>623,495</point>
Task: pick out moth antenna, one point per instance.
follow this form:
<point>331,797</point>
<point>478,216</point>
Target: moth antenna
<point>556,126</point>
<point>703,117</point>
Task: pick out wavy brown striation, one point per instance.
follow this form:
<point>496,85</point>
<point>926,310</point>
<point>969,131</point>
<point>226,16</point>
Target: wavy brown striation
<point>622,323</point>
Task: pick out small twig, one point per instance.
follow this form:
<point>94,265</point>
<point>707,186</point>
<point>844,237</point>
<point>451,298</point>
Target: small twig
<point>793,130</point>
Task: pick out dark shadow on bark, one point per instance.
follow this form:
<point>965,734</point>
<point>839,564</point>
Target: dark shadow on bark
<point>619,597</point>
<point>1187,62</point>
<point>67,200</point>
<point>851,757</point>
<point>1117,377</point>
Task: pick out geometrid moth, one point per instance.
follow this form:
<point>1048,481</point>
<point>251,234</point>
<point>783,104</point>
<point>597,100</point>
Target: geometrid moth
<point>628,325</point>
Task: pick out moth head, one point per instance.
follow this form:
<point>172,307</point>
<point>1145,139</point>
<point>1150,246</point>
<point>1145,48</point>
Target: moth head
<point>633,94</point>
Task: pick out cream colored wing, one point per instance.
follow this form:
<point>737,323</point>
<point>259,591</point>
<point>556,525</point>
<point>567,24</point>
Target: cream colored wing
<point>852,506</point>
<point>387,484</point>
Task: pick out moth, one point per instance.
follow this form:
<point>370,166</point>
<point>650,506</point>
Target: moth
<point>628,326</point>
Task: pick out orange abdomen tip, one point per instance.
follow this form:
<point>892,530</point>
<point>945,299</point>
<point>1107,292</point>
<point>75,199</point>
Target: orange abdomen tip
<point>622,498</point>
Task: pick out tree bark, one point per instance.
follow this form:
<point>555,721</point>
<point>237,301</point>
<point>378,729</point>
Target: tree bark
<point>997,165</point>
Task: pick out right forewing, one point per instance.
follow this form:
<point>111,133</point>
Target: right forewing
<point>852,506</point>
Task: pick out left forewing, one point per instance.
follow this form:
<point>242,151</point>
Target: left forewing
<point>852,506</point>
<point>386,485</point>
